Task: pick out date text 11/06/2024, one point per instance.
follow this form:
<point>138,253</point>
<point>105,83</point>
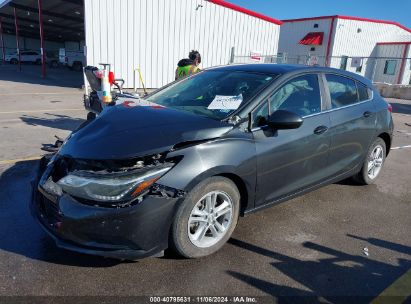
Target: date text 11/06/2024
<point>203,299</point>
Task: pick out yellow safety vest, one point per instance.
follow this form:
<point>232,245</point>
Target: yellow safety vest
<point>186,71</point>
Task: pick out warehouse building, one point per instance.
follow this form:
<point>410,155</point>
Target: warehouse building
<point>393,70</point>
<point>62,21</point>
<point>155,35</point>
<point>148,35</point>
<point>376,49</point>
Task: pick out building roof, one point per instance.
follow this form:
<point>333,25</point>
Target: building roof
<point>245,11</point>
<point>350,18</point>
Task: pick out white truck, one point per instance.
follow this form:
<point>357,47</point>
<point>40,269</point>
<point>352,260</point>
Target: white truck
<point>73,59</point>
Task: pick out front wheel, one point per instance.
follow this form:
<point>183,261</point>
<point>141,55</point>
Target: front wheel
<point>206,218</point>
<point>372,166</point>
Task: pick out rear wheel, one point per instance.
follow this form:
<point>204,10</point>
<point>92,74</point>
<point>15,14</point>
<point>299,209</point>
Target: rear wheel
<point>14,61</point>
<point>207,218</point>
<point>372,166</point>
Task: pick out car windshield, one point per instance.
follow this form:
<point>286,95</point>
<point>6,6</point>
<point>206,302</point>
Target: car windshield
<point>215,94</point>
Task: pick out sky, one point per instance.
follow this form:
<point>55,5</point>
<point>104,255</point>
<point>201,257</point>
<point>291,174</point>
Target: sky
<point>392,10</point>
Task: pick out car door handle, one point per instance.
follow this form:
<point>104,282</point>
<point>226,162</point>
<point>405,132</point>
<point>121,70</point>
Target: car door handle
<point>320,130</point>
<point>367,114</point>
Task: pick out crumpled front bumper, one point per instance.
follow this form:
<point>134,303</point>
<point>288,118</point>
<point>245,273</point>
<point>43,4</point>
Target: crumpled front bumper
<point>129,233</point>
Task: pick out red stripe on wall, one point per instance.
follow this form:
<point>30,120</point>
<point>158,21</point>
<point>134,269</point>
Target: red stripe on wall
<point>309,18</point>
<point>245,11</point>
<point>393,43</point>
<point>330,35</point>
<point>404,55</point>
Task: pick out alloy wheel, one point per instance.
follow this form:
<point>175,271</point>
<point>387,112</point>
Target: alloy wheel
<point>375,161</point>
<point>210,219</point>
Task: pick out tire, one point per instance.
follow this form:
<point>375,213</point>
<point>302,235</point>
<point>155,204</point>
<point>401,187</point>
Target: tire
<point>14,61</point>
<point>365,177</point>
<point>183,237</point>
<point>38,62</point>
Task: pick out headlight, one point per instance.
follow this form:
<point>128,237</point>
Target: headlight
<point>111,187</point>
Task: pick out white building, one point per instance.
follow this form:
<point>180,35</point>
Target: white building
<point>152,35</point>
<point>394,70</point>
<point>155,35</point>
<point>350,43</point>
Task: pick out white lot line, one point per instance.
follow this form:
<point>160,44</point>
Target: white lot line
<point>15,94</point>
<point>401,147</point>
<point>405,132</point>
<point>45,110</point>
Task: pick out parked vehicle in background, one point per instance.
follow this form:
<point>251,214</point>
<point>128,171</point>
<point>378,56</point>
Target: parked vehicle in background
<point>26,56</point>
<point>177,168</point>
<point>73,59</point>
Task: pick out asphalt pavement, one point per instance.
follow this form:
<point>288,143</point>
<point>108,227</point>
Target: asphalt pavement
<point>341,240</point>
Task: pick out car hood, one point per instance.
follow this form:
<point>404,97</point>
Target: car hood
<point>134,129</point>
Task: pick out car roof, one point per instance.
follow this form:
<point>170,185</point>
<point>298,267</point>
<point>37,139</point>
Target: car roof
<point>273,68</point>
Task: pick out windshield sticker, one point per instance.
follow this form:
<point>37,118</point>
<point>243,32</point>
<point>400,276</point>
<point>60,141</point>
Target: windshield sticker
<point>221,102</point>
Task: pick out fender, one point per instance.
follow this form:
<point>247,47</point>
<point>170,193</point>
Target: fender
<point>222,156</point>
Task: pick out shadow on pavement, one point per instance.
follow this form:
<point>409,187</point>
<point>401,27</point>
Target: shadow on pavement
<point>401,108</point>
<point>19,231</point>
<point>384,244</point>
<point>335,274</point>
<point>274,290</point>
<point>349,182</point>
<point>55,121</point>
<point>60,77</point>
<point>339,278</point>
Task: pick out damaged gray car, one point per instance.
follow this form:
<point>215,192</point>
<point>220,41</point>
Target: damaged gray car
<point>177,168</point>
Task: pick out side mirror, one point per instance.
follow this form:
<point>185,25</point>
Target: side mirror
<point>282,120</point>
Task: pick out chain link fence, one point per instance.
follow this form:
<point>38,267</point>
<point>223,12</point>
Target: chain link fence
<point>378,69</point>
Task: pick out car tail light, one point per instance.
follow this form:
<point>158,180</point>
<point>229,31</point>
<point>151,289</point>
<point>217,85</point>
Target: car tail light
<point>389,107</point>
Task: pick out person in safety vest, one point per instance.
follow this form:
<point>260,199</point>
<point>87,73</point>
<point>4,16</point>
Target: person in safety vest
<point>188,66</point>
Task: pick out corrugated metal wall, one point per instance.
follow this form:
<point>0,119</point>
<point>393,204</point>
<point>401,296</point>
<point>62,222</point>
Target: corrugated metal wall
<point>293,32</point>
<point>406,78</point>
<point>355,38</point>
<point>393,51</point>
<point>351,38</point>
<point>155,34</point>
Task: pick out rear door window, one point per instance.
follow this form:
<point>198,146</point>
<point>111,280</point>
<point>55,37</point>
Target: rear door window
<point>343,91</point>
<point>364,93</point>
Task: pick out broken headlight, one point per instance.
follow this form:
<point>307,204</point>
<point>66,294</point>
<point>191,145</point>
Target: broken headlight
<point>111,187</point>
